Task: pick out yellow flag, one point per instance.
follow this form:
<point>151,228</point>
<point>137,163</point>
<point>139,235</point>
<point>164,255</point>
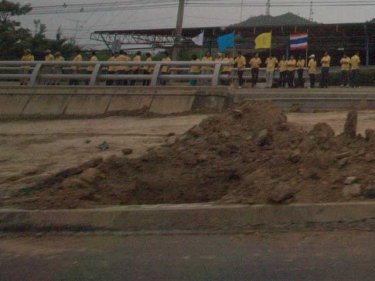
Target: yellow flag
<point>263,41</point>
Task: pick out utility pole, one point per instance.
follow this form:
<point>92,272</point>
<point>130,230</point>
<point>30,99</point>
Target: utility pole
<point>178,35</point>
<point>311,16</point>
<point>268,8</point>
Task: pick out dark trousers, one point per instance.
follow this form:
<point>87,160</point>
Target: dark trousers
<point>344,77</point>
<point>254,76</point>
<point>240,77</point>
<point>312,80</point>
<point>110,82</point>
<point>132,82</point>
<point>146,82</point>
<point>301,83</point>
<point>354,78</point>
<point>122,82</point>
<point>225,81</point>
<point>291,78</point>
<point>283,78</point>
<point>324,79</point>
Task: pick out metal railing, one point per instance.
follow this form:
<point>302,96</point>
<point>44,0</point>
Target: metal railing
<point>95,73</point>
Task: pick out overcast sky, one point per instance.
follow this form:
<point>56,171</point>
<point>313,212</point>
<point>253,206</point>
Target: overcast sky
<point>82,24</point>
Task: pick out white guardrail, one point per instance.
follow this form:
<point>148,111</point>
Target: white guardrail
<point>57,73</point>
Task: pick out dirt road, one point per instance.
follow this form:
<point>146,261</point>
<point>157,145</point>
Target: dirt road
<point>30,150</point>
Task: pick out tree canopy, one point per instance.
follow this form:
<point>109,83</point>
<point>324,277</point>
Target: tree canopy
<point>14,39</point>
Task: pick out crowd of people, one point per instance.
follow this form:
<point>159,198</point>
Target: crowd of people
<point>287,68</point>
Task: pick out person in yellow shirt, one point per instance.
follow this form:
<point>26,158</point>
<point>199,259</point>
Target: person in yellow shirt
<point>90,69</point>
<point>165,68</point>
<point>255,63</point>
<point>240,62</point>
<point>27,68</point>
<point>194,70</point>
<point>300,69</point>
<point>271,63</point>
<point>76,68</point>
<point>291,68</point>
<point>227,69</point>
<point>122,69</point>
<point>326,63</point>
<point>136,68</point>
<point>48,69</point>
<point>111,70</point>
<point>148,69</point>
<point>58,68</point>
<point>312,70</point>
<point>345,67</point>
<point>355,61</point>
<point>207,58</point>
<point>283,72</point>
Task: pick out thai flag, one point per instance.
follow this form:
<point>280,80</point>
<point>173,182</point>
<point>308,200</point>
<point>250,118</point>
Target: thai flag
<point>298,41</point>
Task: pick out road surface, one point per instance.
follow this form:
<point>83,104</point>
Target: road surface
<point>335,255</point>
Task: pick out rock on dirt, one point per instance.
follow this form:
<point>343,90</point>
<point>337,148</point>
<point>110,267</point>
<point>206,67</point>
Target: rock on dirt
<point>264,137</point>
<point>369,192</point>
<point>350,180</point>
<point>90,175</point>
<point>350,127</point>
<point>281,194</point>
<point>352,191</point>
<point>127,151</point>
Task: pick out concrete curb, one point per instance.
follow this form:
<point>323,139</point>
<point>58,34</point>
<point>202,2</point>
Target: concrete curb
<point>186,217</point>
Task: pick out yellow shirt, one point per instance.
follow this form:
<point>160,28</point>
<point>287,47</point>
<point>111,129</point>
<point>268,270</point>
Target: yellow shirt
<point>195,68</point>
<point>345,63</point>
<point>29,57</point>
<point>77,58</point>
<point>255,62</point>
<point>301,63</point>
<point>241,62</point>
<point>59,58</point>
<point>148,68</point>
<point>283,65</point>
<point>165,68</point>
<point>312,66</point>
<point>271,64</point>
<point>112,68</point>
<point>228,68</point>
<point>291,65</point>
<point>207,59</point>
<point>91,67</point>
<point>136,58</point>
<point>122,67</point>
<point>49,57</point>
<point>355,62</point>
<point>326,61</point>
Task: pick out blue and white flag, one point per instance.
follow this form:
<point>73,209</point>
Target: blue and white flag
<point>298,41</point>
<point>199,39</point>
<point>226,41</point>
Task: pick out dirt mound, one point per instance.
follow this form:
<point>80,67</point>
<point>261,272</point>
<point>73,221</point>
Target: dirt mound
<point>249,154</point>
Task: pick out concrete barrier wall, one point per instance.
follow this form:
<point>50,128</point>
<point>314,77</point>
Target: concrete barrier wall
<point>57,102</point>
<point>44,101</point>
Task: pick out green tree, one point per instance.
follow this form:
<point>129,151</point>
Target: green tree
<point>14,39</point>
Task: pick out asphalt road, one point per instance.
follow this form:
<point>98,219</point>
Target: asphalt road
<point>338,255</point>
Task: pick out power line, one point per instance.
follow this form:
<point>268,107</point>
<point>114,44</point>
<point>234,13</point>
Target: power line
<point>153,4</point>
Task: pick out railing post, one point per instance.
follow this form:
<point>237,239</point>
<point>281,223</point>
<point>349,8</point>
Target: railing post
<point>155,75</point>
<point>35,74</point>
<point>94,74</point>
<point>216,74</point>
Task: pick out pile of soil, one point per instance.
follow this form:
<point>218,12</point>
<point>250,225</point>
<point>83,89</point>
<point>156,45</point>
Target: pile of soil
<point>249,154</point>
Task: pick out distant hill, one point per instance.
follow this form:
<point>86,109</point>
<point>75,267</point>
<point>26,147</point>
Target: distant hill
<point>285,19</point>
